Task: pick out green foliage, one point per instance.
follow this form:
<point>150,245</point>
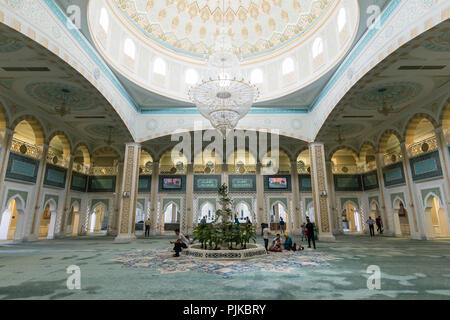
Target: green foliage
<point>223,231</point>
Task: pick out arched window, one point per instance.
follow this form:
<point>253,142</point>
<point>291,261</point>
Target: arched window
<point>159,66</point>
<point>191,76</point>
<point>257,76</point>
<point>342,19</point>
<point>130,48</point>
<point>317,48</point>
<point>104,19</point>
<point>288,66</point>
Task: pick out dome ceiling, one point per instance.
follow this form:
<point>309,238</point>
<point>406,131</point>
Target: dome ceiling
<point>256,26</point>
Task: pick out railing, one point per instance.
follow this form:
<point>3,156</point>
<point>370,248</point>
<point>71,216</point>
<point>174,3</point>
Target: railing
<point>392,157</point>
<point>345,169</point>
<point>145,170</point>
<point>170,169</point>
<point>57,159</point>
<point>103,171</point>
<point>26,149</point>
<point>239,169</point>
<point>422,147</point>
<point>201,168</point>
<point>81,168</point>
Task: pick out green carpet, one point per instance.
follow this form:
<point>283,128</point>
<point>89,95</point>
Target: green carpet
<point>144,269</point>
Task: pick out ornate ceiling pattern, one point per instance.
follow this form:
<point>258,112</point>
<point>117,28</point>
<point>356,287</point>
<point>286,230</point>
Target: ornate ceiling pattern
<point>192,25</point>
<point>409,92</point>
<point>39,92</point>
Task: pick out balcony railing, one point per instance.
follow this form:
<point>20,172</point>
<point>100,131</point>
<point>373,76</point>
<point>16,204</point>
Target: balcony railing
<point>392,157</point>
<point>81,168</point>
<point>145,170</point>
<point>103,171</point>
<point>208,169</point>
<point>57,159</point>
<point>26,149</point>
<point>241,169</point>
<point>346,169</point>
<point>422,147</point>
<point>170,169</point>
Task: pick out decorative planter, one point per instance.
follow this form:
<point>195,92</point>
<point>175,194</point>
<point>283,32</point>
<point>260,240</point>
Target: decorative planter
<point>253,251</point>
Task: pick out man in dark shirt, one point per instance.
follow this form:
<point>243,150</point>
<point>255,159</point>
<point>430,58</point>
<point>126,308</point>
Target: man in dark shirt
<point>310,229</point>
<point>379,223</point>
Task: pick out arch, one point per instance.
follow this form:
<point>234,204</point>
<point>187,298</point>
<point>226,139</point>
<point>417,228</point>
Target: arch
<point>413,124</point>
<point>104,19</point>
<point>436,217</point>
<point>172,163</point>
<point>287,66</point>
<point>37,128</point>
<point>257,76</point>
<point>275,217</point>
<point>367,155</point>
<point>82,155</point>
<point>353,221</point>
<point>317,47</point>
<point>175,221</point>
<point>114,156</point>
<point>160,66</point>
<point>73,219</point>
<point>60,146</point>
<point>341,19</point>
<point>385,136</point>
<point>402,221</point>
<point>211,214</point>
<point>249,209</point>
<point>47,228</point>
<point>8,228</point>
<point>129,48</point>
<point>343,147</point>
<point>282,164</point>
<point>96,225</point>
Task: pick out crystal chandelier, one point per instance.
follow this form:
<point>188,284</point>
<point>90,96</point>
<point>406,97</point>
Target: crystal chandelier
<point>223,96</point>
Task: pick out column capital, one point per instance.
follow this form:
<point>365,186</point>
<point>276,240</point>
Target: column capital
<point>439,130</point>
<point>316,144</point>
<point>133,144</point>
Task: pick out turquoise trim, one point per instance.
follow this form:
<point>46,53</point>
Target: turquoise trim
<point>356,51</point>
<point>79,37</point>
<point>253,111</point>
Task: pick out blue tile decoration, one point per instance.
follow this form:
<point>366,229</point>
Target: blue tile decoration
<point>426,166</point>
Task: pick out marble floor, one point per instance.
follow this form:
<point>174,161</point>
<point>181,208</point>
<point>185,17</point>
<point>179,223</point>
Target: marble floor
<point>145,269</point>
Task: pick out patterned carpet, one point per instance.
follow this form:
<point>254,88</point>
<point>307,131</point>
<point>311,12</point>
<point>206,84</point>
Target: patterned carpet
<point>285,262</point>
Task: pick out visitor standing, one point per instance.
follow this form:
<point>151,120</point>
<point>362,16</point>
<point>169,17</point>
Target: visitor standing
<point>181,243</point>
<point>371,224</point>
<point>266,234</point>
<point>303,226</point>
<point>310,233</point>
<point>282,224</point>
<point>379,223</point>
<point>147,228</point>
<point>203,221</point>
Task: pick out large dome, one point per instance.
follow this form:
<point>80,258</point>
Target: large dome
<point>256,26</point>
<point>163,45</point>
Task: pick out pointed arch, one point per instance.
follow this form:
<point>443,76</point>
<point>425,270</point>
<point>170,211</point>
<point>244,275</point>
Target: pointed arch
<point>413,124</point>
<point>38,129</point>
<point>382,142</point>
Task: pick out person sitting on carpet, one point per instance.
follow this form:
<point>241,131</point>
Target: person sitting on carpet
<point>288,243</point>
<point>181,243</point>
<point>276,244</point>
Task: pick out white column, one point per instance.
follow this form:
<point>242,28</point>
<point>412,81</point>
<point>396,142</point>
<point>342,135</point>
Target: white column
<point>386,211</point>
<point>36,208</point>
<point>130,185</point>
<point>189,199</point>
<point>260,203</point>
<point>418,231</point>
<point>4,156</point>
<point>113,220</point>
<point>154,199</point>
<point>66,202</point>
<point>320,192</point>
<point>296,199</point>
<point>335,212</point>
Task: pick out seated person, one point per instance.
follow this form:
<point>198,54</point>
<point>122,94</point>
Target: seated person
<point>276,244</point>
<point>181,243</point>
<point>288,243</point>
